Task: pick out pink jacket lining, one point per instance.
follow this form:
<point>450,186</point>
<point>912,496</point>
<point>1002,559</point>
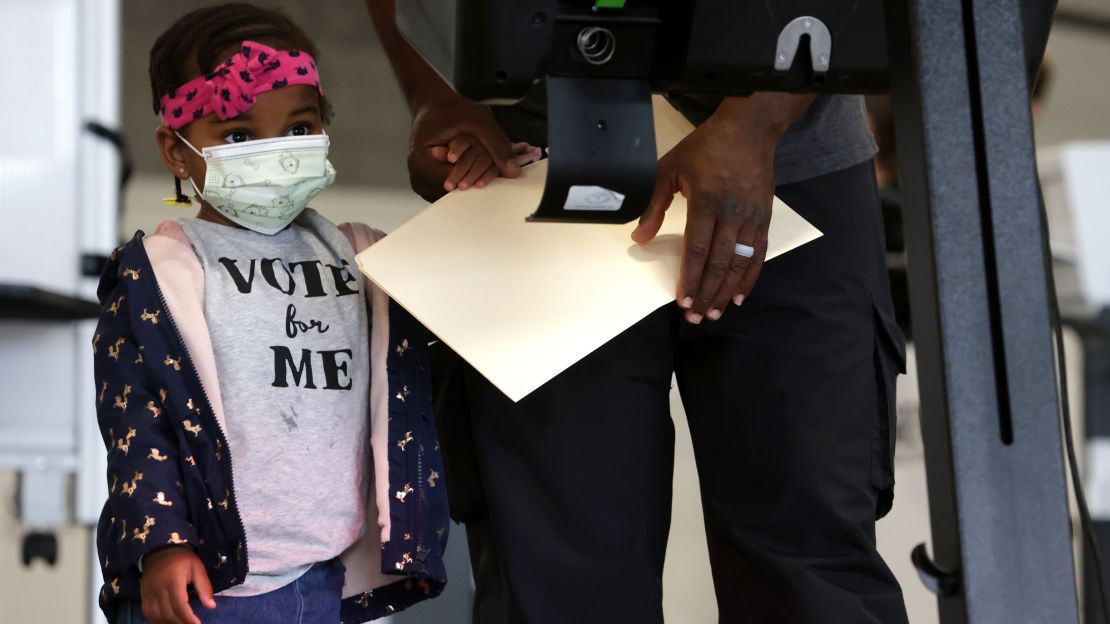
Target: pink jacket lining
<point>181,280</point>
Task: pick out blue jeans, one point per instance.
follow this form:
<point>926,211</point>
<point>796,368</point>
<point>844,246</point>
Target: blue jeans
<point>311,599</point>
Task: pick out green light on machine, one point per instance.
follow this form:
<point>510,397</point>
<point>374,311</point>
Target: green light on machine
<point>609,4</point>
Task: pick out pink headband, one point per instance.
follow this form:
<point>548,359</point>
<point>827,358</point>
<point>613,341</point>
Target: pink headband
<point>229,90</point>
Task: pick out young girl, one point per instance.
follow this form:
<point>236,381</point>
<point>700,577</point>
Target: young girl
<point>243,337</point>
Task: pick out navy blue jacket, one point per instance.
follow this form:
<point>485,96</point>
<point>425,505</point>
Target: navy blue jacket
<point>169,468</point>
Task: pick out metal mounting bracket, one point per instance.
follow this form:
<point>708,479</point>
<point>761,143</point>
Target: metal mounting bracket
<point>820,44</point>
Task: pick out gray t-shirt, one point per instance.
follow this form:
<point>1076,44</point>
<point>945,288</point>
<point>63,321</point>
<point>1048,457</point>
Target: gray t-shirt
<point>832,136</point>
<point>288,322</point>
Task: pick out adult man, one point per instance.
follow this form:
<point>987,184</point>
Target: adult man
<point>789,396</point>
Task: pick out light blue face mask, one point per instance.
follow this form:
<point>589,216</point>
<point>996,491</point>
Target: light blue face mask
<point>264,184</point>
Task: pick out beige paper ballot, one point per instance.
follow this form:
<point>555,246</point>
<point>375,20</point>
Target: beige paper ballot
<point>522,302</point>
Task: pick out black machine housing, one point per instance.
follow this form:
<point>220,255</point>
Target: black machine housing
<point>493,51</point>
<point>603,64</point>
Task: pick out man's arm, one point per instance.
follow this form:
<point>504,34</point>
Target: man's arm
<point>440,116</point>
<point>419,82</point>
<point>725,168</point>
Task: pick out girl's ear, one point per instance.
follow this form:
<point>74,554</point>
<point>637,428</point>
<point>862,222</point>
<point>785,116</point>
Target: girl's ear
<point>173,152</point>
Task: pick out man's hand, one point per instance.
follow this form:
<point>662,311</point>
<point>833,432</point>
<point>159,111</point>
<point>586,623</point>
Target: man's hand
<point>439,118</point>
<point>725,169</point>
<point>167,574</point>
<point>442,122</point>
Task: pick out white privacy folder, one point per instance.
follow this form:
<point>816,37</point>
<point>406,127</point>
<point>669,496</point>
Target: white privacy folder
<point>522,302</point>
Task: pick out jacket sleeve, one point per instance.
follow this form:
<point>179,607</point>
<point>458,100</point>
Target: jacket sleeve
<point>146,502</point>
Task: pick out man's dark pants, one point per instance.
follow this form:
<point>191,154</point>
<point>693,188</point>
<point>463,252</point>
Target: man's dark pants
<point>790,403</point>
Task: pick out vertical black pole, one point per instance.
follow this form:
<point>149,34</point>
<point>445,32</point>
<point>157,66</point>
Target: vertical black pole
<point>980,311</point>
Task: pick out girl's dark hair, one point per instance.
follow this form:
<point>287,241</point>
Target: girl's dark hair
<point>195,42</point>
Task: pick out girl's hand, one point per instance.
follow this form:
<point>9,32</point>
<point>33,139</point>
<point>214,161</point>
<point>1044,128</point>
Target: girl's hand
<point>167,574</point>
<point>472,165</point>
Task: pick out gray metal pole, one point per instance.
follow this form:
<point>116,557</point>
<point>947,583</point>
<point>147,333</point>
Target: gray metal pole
<point>980,312</point>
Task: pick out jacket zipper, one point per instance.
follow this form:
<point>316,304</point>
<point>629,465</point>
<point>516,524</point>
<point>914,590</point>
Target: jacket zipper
<point>219,429</point>
<point>415,520</point>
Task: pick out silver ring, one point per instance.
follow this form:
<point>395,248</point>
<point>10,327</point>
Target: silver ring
<point>745,250</point>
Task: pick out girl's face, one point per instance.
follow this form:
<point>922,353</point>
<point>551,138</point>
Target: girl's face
<point>289,111</point>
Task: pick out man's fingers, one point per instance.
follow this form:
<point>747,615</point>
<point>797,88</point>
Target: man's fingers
<point>721,264</point>
<point>500,151</point>
<point>443,121</point>
<point>738,268</point>
<point>498,146</point>
<point>477,170</point>
<point>696,244</point>
<point>747,283</point>
<point>652,219</point>
<point>439,152</point>
<point>460,169</point>
<point>457,147</point>
<point>427,175</point>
